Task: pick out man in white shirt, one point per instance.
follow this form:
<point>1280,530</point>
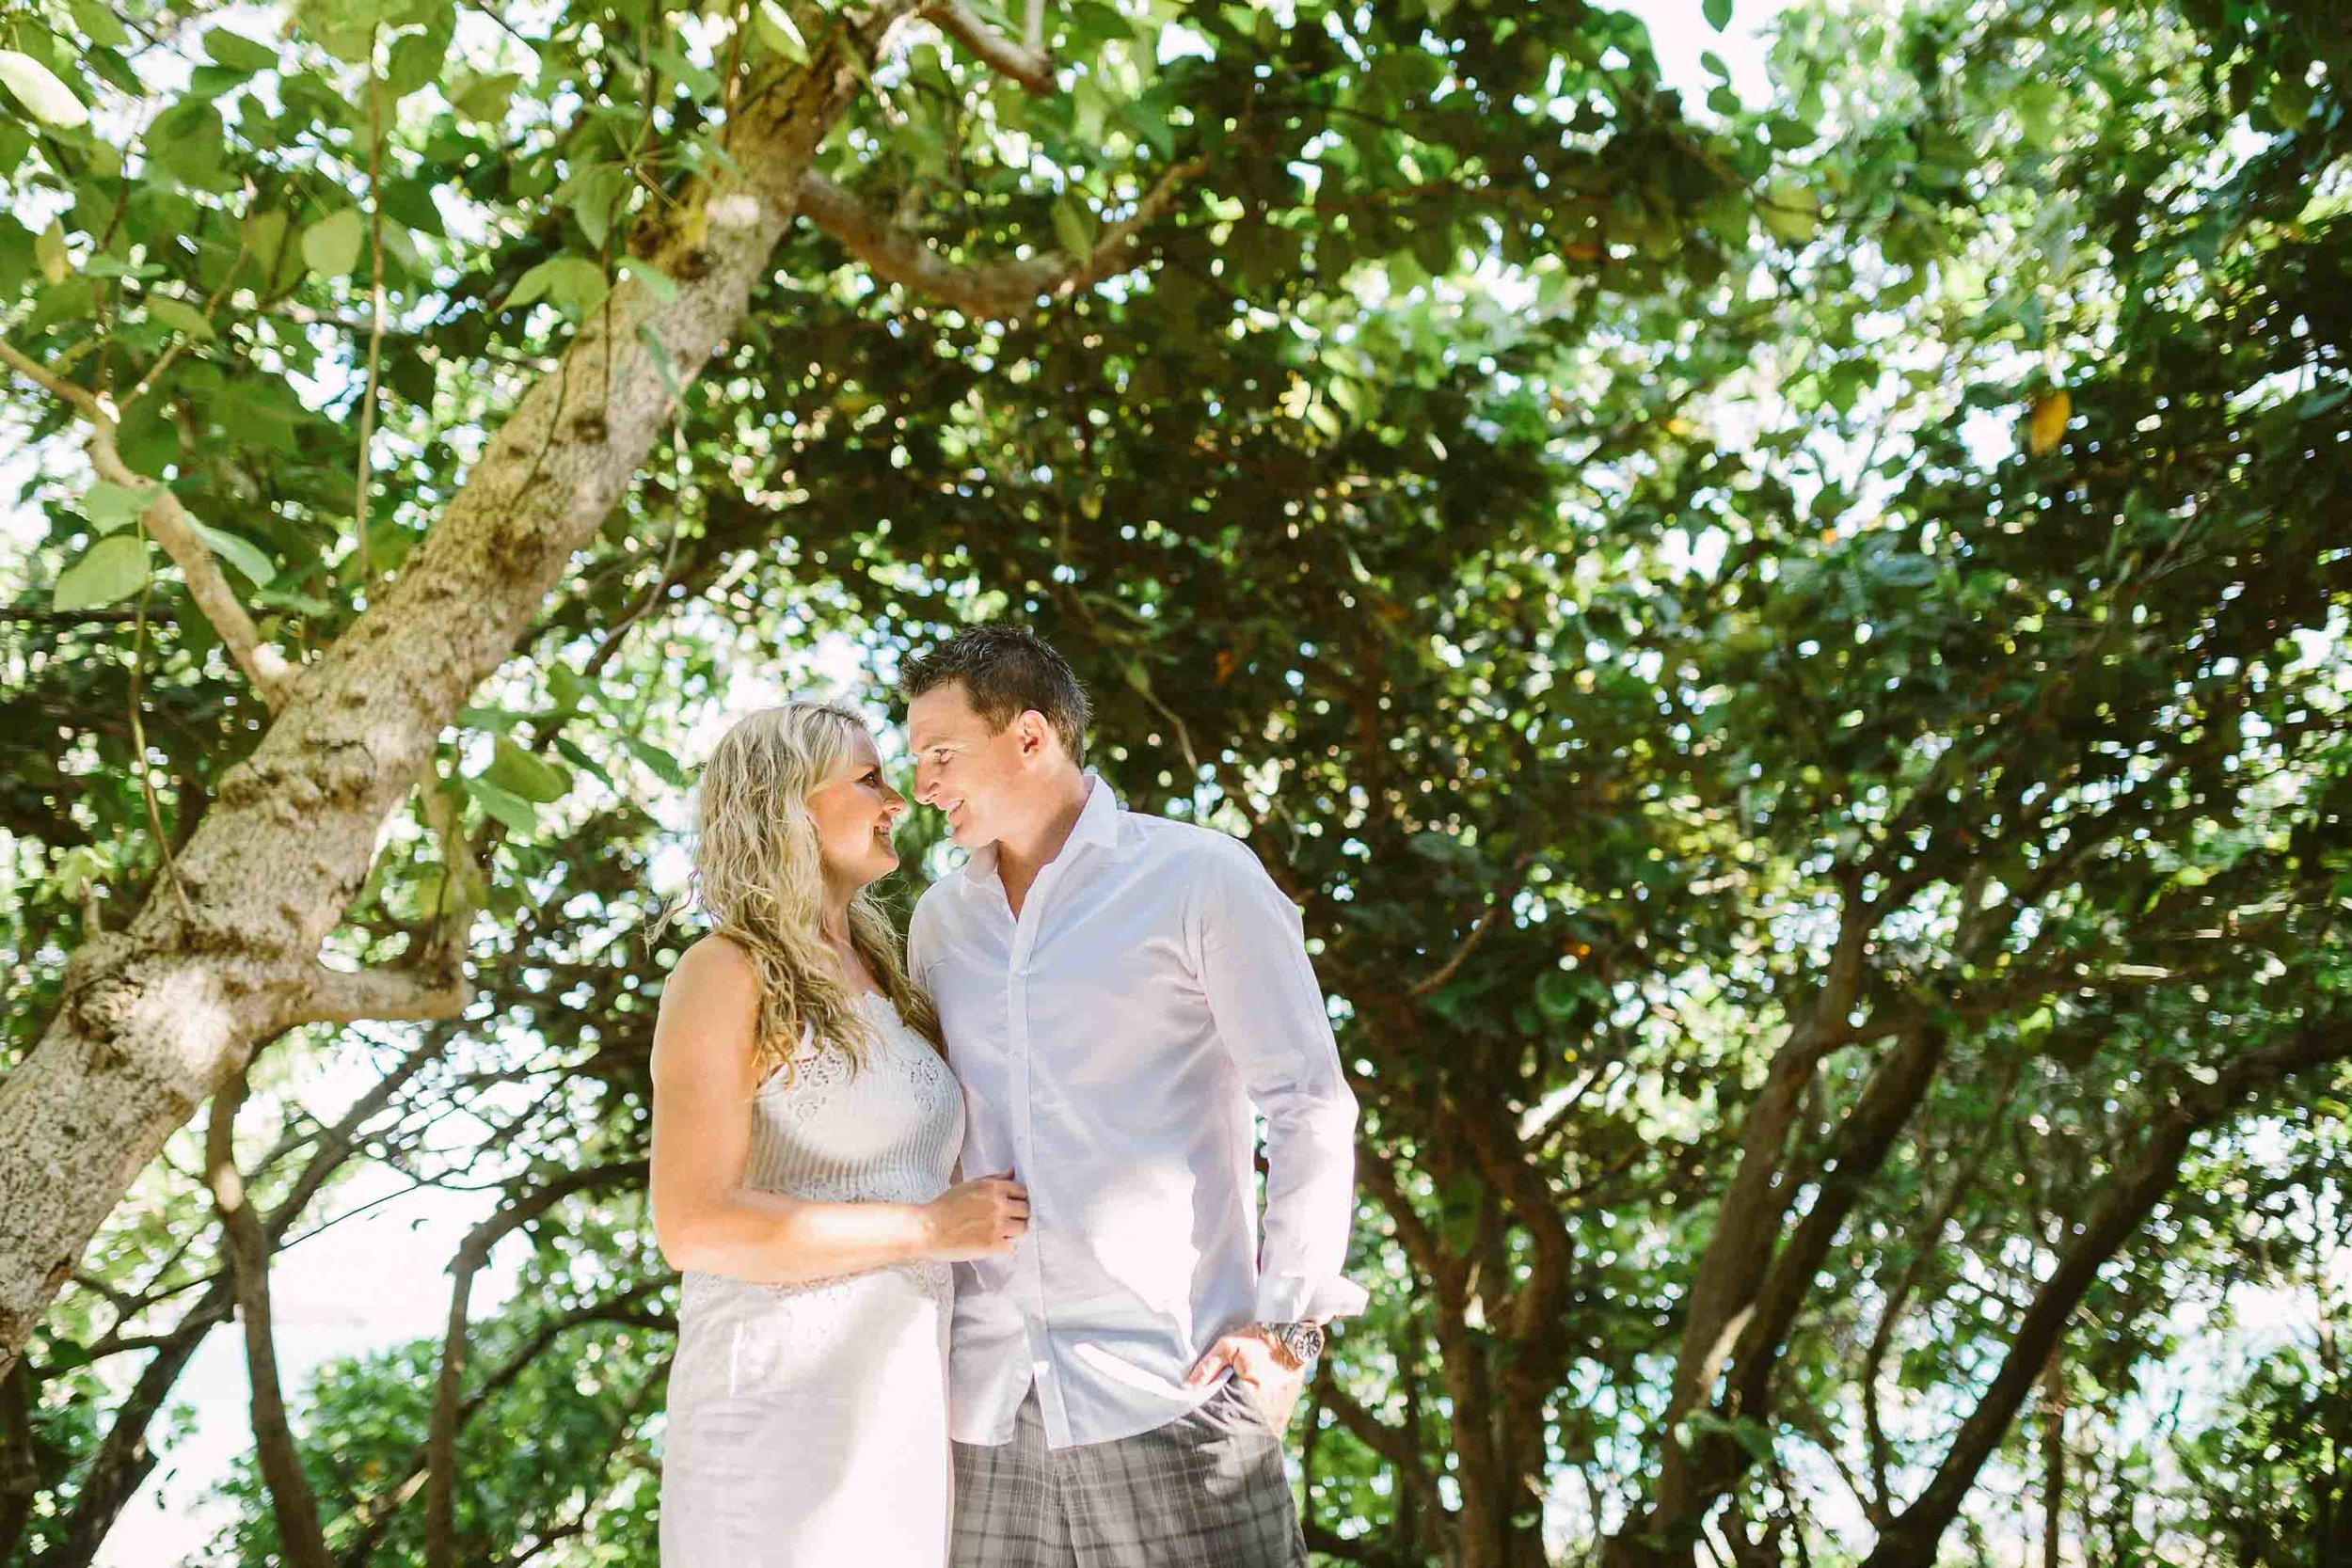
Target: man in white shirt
<point>1119,991</point>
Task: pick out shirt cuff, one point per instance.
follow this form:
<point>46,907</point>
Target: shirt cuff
<point>1295,1298</point>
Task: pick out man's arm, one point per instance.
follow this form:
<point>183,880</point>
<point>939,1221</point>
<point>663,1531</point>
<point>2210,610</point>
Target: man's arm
<point>1271,1016</point>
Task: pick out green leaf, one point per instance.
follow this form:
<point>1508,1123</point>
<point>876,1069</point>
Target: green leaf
<point>487,719</point>
<point>188,141</point>
<point>526,776</point>
<point>82,865</point>
<point>1074,225</point>
<point>416,59</point>
<point>181,316</point>
<point>1718,13</point>
<point>655,281</point>
<point>215,81</point>
<point>49,99</point>
<point>49,250</point>
<point>663,765</point>
<point>114,568</point>
<point>109,507</point>
<point>238,52</point>
<point>518,814</point>
<point>574,283</point>
<point>287,598</point>
<point>1555,995</point>
<point>1791,211</point>
<point>331,246</point>
<point>485,99</point>
<point>593,194</point>
<point>571,752</point>
<point>99,24</point>
<point>661,352</point>
<point>775,28</point>
<point>246,556</point>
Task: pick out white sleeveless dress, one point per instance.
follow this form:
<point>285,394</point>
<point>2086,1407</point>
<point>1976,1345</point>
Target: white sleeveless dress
<point>808,1423</point>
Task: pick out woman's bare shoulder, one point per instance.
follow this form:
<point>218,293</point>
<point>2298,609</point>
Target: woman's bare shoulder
<point>709,1004</point>
<point>717,960</point>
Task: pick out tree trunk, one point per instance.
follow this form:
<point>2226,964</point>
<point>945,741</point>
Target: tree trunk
<point>19,1471</point>
<point>2053,1457</point>
<point>1746,1229</point>
<point>223,956</point>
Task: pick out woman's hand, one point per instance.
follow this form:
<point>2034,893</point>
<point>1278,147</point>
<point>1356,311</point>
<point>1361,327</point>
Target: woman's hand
<point>978,1219</point>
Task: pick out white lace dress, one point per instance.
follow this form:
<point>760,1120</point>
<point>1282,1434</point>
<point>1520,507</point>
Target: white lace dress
<point>808,1423</point>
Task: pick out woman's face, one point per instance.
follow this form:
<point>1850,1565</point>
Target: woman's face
<point>855,810</point>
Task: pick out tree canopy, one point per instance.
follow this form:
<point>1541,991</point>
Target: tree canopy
<point>1794,654</point>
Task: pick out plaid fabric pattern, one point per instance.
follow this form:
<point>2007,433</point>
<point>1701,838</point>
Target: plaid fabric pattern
<point>1205,1491</point>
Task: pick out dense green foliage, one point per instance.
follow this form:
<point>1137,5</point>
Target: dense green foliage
<point>1795,656</point>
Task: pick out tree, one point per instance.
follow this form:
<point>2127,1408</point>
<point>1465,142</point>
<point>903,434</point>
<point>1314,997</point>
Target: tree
<point>167,305</point>
<point>1812,752</point>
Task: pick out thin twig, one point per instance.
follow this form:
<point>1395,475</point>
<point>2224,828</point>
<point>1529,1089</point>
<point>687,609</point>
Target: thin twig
<point>375,314</point>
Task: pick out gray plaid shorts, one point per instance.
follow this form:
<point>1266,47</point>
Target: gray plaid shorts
<point>1205,1491</point>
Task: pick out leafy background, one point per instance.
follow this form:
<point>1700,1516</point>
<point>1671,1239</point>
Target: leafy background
<point>1790,643</point>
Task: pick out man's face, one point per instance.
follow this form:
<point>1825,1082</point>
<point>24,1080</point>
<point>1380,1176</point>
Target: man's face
<point>978,778</point>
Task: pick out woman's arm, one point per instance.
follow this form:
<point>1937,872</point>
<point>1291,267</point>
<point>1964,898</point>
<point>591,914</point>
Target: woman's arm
<point>704,1072</point>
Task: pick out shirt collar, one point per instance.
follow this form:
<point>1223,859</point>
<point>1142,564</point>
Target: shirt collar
<point>1098,820</point>
<point>1097,824</point>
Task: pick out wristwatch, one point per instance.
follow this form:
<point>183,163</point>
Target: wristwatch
<point>1301,1342</point>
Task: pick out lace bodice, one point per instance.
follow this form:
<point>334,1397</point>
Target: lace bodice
<point>826,1130</point>
<point>888,1133</point>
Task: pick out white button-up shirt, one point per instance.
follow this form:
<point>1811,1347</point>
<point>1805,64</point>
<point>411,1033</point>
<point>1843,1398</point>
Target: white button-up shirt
<point>1111,1042</point>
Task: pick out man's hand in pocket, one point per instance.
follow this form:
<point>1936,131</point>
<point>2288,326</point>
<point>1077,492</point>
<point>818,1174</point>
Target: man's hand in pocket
<point>1264,1369</point>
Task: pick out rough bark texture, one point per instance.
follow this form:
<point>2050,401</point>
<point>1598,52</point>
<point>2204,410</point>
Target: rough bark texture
<point>223,956</point>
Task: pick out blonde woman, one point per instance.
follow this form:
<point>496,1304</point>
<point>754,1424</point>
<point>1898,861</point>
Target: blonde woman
<point>804,1130</point>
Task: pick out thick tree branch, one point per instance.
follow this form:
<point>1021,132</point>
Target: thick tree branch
<point>1879,1503</point>
<point>1001,289</point>
<point>1400,1448</point>
<point>124,1457</point>
<point>1893,1093</point>
<point>1027,63</point>
<point>83,400</point>
<point>393,995</point>
<point>168,523</point>
<point>1741,1242</point>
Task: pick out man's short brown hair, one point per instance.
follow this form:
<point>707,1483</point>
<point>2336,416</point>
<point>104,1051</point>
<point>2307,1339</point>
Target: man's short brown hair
<point>1005,671</point>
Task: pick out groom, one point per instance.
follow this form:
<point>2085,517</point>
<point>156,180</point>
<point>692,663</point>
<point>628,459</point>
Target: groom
<point>1118,992</point>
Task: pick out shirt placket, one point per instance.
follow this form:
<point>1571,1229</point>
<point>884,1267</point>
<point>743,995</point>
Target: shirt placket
<point>1044,1373</point>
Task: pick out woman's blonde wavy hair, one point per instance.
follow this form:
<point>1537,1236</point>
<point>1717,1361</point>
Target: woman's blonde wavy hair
<point>759,877</point>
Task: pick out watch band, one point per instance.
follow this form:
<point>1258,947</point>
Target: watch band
<point>1302,1341</point>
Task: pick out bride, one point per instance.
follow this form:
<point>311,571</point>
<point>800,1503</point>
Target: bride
<point>804,1129</point>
